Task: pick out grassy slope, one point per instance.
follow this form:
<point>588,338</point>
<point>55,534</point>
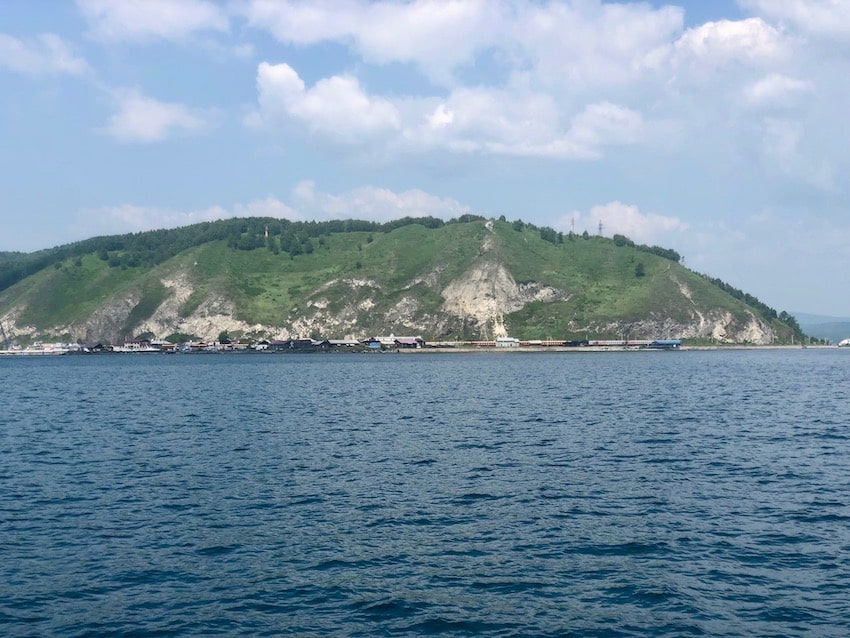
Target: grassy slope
<point>599,277</point>
<point>71,292</point>
<point>601,280</point>
<point>266,286</point>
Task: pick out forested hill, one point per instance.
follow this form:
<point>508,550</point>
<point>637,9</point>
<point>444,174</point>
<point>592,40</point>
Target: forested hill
<point>149,248</point>
<point>466,278</point>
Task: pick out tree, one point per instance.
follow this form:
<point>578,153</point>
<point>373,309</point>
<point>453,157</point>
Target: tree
<point>640,271</point>
<point>549,234</point>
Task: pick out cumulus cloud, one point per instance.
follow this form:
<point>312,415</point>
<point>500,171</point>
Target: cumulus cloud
<point>46,54</point>
<point>819,17</point>
<point>567,46</point>
<point>139,20</point>
<point>306,203</point>
<point>604,124</point>
<point>267,207</point>
<point>335,106</point>
<point>775,89</point>
<point>582,45</point>
<point>144,120</point>
<point>717,43</point>
<point>488,120</point>
<point>373,203</point>
<point>437,35</point>
<point>565,80</point>
<point>126,218</point>
<point>623,219</point>
<point>484,119</point>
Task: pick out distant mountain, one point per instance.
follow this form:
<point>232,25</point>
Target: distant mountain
<point>833,329</point>
<point>470,278</point>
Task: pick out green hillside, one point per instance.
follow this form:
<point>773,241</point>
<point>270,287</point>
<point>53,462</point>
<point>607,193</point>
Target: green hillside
<point>465,279</point>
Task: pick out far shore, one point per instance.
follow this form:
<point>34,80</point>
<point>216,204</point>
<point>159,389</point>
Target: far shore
<point>580,349</point>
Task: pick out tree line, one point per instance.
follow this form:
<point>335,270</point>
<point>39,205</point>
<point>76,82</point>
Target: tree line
<point>150,248</point>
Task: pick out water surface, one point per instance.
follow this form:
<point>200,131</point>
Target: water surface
<point>502,494</point>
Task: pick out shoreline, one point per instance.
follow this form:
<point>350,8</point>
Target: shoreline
<point>443,349</point>
<point>564,349</point>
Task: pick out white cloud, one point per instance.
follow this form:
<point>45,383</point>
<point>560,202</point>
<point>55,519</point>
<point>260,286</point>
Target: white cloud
<point>482,119</point>
<point>580,45</point>
<point>373,203</point>
<point>435,34</point>
<point>720,54</point>
<point>47,54</point>
<point>751,40</point>
<point>564,80</point>
<point>145,120</point>
<point>775,90</point>
<point>306,203</point>
<point>567,47</point>
<point>126,218</point>
<point>604,124</point>
<point>335,106</point>
<point>531,125</point>
<point>623,219</point>
<point>139,20</point>
<point>499,121</point>
<point>267,207</point>
<point>819,17</point>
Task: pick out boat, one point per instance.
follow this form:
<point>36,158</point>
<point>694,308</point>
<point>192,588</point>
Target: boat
<point>38,349</point>
<point>136,347</point>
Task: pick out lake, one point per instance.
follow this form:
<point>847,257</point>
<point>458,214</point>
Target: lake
<point>499,494</point>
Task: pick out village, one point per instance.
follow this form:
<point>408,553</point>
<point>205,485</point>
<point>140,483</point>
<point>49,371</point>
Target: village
<point>389,343</point>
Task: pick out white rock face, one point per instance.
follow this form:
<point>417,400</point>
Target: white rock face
<point>487,292</point>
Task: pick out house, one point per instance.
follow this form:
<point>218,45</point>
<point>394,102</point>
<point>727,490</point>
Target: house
<point>507,342</point>
<point>409,342</point>
<point>278,345</point>
<point>396,342</point>
<point>304,344</point>
<point>341,343</point>
<point>385,342</point>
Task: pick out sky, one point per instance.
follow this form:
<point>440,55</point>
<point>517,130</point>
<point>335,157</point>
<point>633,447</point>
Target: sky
<point>716,128</point>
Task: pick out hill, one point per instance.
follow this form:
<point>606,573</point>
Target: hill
<point>833,329</point>
<point>470,278</point>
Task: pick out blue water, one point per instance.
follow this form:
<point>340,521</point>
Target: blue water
<point>611,494</point>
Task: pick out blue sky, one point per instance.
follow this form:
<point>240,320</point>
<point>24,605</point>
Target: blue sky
<point>715,128</point>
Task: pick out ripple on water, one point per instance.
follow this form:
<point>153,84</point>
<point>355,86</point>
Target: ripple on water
<point>690,494</point>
